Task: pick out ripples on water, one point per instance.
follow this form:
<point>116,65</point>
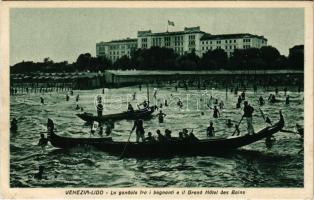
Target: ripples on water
<point>250,166</point>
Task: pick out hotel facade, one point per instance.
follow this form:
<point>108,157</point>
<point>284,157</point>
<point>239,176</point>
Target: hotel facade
<point>182,42</point>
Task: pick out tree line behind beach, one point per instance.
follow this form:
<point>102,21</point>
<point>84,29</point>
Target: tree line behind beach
<point>160,58</point>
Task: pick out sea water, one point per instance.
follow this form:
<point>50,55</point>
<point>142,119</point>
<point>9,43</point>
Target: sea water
<point>250,166</point>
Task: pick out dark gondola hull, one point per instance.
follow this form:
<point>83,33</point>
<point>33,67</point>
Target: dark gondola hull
<point>200,147</point>
<point>138,114</point>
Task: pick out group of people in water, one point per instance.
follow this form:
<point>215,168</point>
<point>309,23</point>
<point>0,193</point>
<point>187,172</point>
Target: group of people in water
<point>248,111</point>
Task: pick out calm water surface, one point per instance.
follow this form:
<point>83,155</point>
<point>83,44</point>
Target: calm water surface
<point>250,166</point>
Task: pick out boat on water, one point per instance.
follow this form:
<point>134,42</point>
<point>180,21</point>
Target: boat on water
<point>169,148</point>
<point>137,114</point>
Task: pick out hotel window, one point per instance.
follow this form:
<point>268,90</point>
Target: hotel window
<point>234,40</point>
<point>203,48</point>
<point>167,41</point>
<point>192,40</point>
<point>218,42</point>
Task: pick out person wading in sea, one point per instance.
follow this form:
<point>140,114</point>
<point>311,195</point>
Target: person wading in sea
<point>229,123</point>
<point>43,141</point>
<point>243,95</point>
<point>139,130</point>
<point>13,125</point>
<point>221,105</point>
<point>42,101</point>
<point>216,113</point>
<point>210,130</point>
<point>285,91</point>
<point>287,100</point>
<point>134,96</point>
<point>40,173</point>
<point>248,112</point>
<point>261,101</point>
<point>161,116</point>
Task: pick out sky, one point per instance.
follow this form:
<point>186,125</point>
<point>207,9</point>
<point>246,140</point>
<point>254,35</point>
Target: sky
<point>62,34</point>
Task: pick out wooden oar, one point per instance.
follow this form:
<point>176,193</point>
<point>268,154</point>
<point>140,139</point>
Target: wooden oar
<point>126,144</point>
<point>238,124</point>
<point>262,114</point>
<point>266,119</point>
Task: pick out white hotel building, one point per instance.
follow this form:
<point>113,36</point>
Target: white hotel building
<point>116,48</point>
<point>190,39</point>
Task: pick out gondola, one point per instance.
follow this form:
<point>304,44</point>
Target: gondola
<point>137,114</point>
<point>169,148</point>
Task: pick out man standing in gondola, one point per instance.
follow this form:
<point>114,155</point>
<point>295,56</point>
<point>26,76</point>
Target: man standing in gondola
<point>248,112</point>
<point>139,130</point>
<point>99,107</point>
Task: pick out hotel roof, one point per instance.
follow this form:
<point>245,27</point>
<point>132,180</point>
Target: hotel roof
<point>120,41</point>
<point>174,33</point>
<point>230,36</point>
<point>187,30</point>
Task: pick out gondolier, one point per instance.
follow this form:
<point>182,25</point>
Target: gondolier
<point>139,130</point>
<point>100,108</point>
<point>248,111</point>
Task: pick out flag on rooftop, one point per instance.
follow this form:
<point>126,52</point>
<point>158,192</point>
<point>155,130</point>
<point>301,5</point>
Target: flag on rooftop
<point>170,23</point>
